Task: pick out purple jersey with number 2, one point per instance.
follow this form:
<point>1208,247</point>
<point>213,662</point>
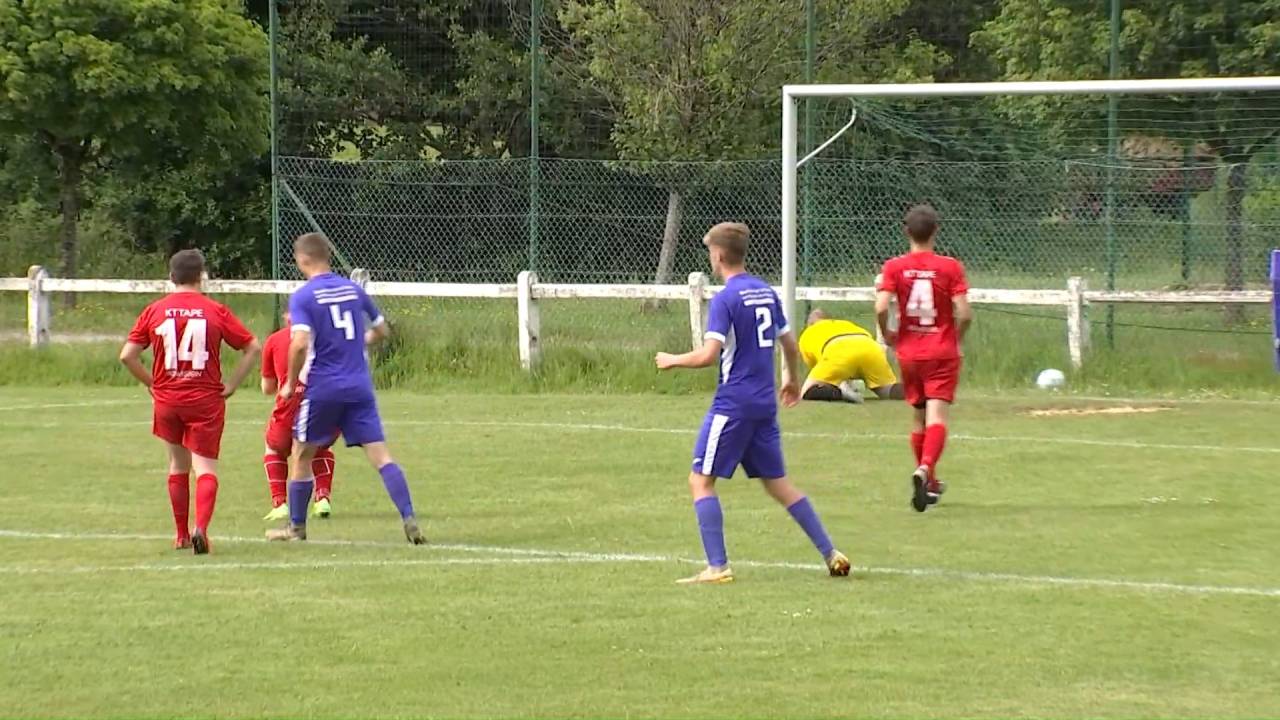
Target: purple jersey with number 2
<point>336,312</point>
<point>747,317</point>
<point>741,428</point>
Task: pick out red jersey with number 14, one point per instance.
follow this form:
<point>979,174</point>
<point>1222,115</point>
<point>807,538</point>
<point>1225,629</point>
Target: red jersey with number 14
<point>185,331</point>
<point>924,283</point>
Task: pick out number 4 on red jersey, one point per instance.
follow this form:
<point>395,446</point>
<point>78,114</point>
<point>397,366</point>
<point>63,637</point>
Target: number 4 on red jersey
<point>924,284</point>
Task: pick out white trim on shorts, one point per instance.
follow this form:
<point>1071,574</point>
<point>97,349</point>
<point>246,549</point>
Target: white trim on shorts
<point>304,410</point>
<point>713,442</point>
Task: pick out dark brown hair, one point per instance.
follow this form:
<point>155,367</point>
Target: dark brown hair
<point>921,222</point>
<point>186,267</point>
<point>315,246</point>
<point>730,237</point>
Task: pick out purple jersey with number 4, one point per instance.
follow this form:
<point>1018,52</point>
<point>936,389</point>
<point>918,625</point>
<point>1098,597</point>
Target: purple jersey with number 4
<point>336,312</point>
<point>747,317</point>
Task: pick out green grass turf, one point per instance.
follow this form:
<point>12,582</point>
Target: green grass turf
<point>126,627</point>
<point>596,346</point>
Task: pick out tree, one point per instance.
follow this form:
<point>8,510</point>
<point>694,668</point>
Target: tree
<point>120,83</point>
<point>700,79</point>
<point>1068,39</point>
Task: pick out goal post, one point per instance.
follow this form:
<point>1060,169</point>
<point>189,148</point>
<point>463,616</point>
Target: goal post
<point>923,91</point>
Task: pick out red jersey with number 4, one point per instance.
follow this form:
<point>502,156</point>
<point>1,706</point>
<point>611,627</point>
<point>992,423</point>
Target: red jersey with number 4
<point>924,283</point>
<point>185,331</point>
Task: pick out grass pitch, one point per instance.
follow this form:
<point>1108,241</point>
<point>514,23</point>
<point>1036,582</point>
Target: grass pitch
<point>1112,565</point>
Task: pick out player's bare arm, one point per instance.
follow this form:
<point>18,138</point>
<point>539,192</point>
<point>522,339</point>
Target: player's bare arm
<point>789,393</point>
<point>883,298</point>
<point>131,358</point>
<point>963,314</point>
<point>249,355</point>
<point>270,386</point>
<point>299,341</point>
<point>378,332</point>
<point>704,356</point>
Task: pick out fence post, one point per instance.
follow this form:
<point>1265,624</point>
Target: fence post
<point>1077,321</point>
<point>37,307</point>
<point>360,276</point>
<point>697,307</point>
<point>527,317</point>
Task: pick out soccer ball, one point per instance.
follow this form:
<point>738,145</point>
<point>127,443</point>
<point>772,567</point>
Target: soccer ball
<point>1051,379</point>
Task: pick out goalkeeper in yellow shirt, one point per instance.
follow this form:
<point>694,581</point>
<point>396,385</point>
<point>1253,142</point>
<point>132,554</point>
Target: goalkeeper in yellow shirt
<point>838,352</point>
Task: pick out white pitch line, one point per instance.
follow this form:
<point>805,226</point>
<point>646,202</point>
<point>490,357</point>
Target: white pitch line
<point>50,406</point>
<point>305,565</point>
<point>847,436</point>
<point>606,427</point>
<point>542,556</point>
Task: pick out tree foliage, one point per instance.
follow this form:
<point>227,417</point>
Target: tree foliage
<point>121,84</point>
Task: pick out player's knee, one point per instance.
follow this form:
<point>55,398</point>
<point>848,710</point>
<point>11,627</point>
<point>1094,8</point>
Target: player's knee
<point>701,485</point>
<point>824,392</point>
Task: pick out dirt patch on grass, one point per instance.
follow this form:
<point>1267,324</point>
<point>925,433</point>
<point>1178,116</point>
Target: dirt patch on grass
<point>1098,410</point>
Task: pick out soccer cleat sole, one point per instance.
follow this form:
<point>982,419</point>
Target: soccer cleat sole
<point>199,543</point>
<point>838,565</point>
<point>413,533</point>
<point>287,535</point>
<point>919,490</point>
<point>707,578</point>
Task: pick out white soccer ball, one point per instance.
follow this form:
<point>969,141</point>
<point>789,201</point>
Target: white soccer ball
<point>1051,379</point>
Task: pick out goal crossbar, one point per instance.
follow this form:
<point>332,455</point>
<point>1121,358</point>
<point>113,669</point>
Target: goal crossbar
<point>791,93</point>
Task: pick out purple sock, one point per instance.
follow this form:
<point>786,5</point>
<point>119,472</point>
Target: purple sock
<point>711,526</point>
<point>397,488</point>
<point>803,513</point>
<point>299,496</point>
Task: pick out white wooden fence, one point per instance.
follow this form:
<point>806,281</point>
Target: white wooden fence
<point>528,292</point>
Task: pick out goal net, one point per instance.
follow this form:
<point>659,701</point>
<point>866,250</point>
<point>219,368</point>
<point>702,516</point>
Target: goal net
<point>1142,184</point>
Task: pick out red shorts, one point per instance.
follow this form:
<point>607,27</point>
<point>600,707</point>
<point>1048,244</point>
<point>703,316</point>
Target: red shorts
<point>924,380</point>
<point>196,426</point>
<point>279,434</point>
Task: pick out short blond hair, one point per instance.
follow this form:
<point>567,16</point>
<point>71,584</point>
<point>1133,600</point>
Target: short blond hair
<point>732,238</point>
<point>315,246</point>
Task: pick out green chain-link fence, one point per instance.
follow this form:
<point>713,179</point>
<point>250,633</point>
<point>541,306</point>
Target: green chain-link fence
<point>407,130</point>
<point>1015,224</point>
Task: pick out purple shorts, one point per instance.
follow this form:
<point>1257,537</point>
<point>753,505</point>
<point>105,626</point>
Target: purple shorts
<point>726,442</point>
<point>318,422</point>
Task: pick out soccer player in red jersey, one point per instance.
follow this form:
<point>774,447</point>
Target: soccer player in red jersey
<point>279,435</point>
<point>933,317</point>
<point>185,331</point>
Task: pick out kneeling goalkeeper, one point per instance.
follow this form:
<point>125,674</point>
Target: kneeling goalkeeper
<point>838,352</point>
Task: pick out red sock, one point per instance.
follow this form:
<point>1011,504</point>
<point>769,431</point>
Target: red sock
<point>322,468</point>
<point>277,477</point>
<point>206,498</point>
<point>935,439</point>
<point>180,501</point>
<point>917,445</point>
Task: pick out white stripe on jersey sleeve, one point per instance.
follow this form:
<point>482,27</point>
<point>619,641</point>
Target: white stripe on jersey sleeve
<point>298,327</point>
<point>377,321</point>
<point>710,335</point>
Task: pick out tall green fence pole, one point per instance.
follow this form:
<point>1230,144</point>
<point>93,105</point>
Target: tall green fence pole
<point>1188,157</point>
<point>535,96</point>
<point>810,58</point>
<point>1113,110</point>
<point>273,21</point>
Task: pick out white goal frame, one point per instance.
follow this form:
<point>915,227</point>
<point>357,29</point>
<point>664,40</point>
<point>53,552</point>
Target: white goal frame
<point>792,93</point>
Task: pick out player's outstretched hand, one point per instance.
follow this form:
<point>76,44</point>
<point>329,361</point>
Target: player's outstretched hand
<point>664,361</point>
<point>286,390</point>
<point>228,390</point>
<point>789,394</point>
